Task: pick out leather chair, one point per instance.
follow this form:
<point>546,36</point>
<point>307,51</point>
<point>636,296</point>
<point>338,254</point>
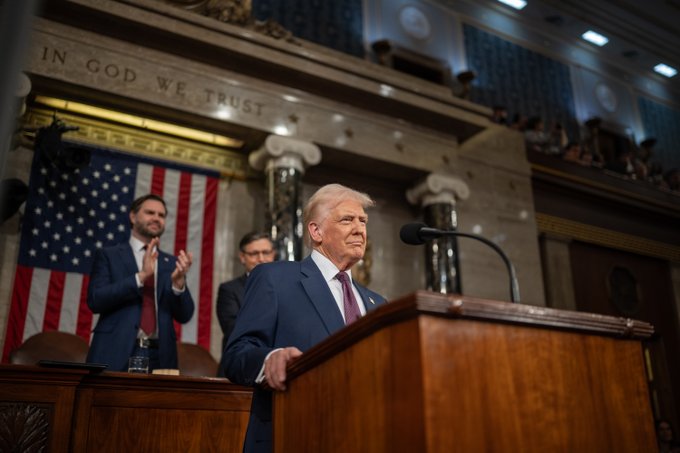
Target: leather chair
<point>194,360</point>
<point>52,345</point>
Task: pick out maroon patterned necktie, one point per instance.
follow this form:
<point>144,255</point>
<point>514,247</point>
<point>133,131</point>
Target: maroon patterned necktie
<point>352,312</point>
<point>148,319</point>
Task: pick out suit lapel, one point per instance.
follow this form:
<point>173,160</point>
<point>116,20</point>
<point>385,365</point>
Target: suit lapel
<point>320,296</point>
<point>127,257</point>
<point>165,264</point>
<point>369,302</point>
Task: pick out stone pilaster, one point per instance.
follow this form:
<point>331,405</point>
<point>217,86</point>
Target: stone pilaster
<point>284,160</point>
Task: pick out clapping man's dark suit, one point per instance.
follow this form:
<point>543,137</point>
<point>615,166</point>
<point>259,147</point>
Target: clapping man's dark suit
<point>115,292</point>
<point>291,306</point>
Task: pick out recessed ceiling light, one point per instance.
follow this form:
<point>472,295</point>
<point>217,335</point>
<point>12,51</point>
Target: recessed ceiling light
<point>595,38</point>
<point>665,70</point>
<point>517,4</point>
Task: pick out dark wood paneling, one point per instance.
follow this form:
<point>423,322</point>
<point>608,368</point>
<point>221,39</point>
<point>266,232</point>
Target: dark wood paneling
<point>591,267</point>
<point>118,412</point>
<point>121,412</point>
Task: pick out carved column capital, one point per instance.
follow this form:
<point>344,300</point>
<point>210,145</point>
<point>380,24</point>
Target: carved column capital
<point>278,152</point>
<point>438,188</point>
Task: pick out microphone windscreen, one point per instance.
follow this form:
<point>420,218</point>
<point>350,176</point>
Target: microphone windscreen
<point>410,233</point>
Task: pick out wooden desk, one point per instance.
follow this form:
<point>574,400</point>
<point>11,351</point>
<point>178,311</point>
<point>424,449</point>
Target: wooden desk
<point>36,407</point>
<point>112,412</point>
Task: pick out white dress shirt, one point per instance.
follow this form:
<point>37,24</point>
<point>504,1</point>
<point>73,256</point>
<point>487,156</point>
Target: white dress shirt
<point>329,271</point>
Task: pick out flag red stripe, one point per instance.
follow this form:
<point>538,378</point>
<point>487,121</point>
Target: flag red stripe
<point>55,297</point>
<point>183,207</point>
<point>182,223</point>
<point>157,181</point>
<point>84,323</point>
<point>207,261</point>
<point>17,312</point>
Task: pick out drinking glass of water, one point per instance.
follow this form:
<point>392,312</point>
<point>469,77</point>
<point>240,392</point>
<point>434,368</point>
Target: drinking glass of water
<point>138,364</point>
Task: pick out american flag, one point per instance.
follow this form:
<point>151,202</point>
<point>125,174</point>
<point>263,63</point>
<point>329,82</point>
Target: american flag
<point>70,214</point>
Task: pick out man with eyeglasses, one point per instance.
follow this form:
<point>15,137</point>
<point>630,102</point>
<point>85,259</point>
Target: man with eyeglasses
<point>255,248</point>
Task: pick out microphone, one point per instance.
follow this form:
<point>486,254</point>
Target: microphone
<point>419,233</point>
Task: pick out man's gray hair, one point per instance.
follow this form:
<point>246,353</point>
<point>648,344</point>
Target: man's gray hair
<point>325,199</point>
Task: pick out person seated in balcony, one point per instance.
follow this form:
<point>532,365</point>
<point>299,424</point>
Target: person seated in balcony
<point>656,175</point>
<point>535,137</point>
<point>519,122</point>
<point>673,179</point>
<point>641,162</point>
<point>589,159</point>
<point>572,152</point>
<point>576,153</point>
<point>622,163</point>
<point>499,115</point>
<point>557,139</point>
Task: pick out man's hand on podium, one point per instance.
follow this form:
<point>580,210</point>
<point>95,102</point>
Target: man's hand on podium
<point>275,367</point>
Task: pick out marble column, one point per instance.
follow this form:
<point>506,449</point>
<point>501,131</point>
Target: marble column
<point>437,195</point>
<point>284,159</point>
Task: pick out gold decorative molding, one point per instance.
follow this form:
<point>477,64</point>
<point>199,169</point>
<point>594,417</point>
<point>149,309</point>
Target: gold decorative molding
<point>607,238</point>
<point>144,143</point>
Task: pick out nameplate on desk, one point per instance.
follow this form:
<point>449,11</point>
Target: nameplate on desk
<point>166,372</point>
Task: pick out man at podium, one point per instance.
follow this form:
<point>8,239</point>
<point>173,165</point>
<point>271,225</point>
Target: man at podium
<point>291,306</point>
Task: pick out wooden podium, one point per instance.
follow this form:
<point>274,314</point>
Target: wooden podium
<point>434,373</point>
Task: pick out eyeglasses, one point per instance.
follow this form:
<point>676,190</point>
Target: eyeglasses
<point>255,253</point>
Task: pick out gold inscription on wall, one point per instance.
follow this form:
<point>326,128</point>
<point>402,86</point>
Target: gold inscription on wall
<point>230,102</point>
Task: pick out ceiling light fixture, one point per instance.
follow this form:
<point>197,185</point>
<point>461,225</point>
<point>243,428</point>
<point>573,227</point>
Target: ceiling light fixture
<point>517,4</point>
<point>595,38</point>
<point>665,70</point>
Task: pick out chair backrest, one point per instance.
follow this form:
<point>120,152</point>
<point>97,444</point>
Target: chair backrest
<point>53,345</point>
<point>193,360</point>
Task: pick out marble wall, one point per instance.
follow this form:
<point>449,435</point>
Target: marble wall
<point>501,208</point>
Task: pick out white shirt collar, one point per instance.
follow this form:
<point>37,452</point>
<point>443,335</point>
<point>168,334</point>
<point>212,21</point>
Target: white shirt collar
<point>326,266</point>
<point>136,244</point>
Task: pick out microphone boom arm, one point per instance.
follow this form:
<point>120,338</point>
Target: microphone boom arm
<point>514,285</point>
